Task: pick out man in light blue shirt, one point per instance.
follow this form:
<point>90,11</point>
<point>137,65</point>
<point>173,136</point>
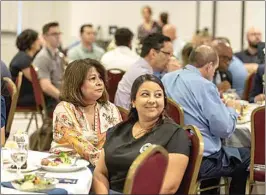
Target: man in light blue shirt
<point>156,52</point>
<point>192,88</point>
<point>87,47</point>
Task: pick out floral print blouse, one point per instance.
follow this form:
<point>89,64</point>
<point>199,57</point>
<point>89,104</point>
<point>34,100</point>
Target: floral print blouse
<point>72,131</point>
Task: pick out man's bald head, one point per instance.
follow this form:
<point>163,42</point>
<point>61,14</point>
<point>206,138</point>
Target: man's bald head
<point>253,37</point>
<point>224,52</point>
<point>203,55</point>
<point>169,30</point>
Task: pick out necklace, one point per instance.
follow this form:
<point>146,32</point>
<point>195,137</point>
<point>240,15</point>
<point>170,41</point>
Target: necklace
<point>142,131</point>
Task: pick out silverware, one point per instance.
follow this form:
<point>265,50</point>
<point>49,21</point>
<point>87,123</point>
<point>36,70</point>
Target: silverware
<point>75,162</point>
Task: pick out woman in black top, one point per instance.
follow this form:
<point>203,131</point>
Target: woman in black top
<point>146,125</point>
<point>28,44</point>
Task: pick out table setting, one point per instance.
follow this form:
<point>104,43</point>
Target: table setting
<point>32,172</point>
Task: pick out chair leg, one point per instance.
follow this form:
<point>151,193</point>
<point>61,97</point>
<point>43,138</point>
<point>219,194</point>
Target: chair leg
<point>36,121</point>
<point>248,187</point>
<point>32,115</point>
<point>227,185</point>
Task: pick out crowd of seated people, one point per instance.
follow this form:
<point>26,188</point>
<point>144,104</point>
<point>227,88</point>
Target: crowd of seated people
<point>192,74</point>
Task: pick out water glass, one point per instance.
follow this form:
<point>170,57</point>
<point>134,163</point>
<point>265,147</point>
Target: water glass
<point>19,156</point>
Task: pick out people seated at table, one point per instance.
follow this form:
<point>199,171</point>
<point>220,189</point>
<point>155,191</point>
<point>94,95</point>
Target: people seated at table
<point>87,47</point>
<point>146,125</point>
<point>222,77</point>
<point>193,89</point>
<point>149,26</point>
<point>257,93</point>
<point>83,116</point>
<point>122,57</point>
<point>169,30</point>
<point>3,120</point>
<point>28,44</point>
<point>238,71</point>
<point>50,65</point>
<point>156,52</point>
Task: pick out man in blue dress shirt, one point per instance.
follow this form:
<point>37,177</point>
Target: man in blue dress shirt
<point>192,88</point>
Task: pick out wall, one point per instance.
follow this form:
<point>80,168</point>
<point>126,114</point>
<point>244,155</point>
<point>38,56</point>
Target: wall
<point>72,14</point>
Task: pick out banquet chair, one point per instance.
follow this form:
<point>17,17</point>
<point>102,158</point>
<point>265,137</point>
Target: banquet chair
<point>124,113</point>
<point>146,173</point>
<point>175,111</point>
<point>248,86</point>
<point>257,151</point>
<point>114,76</point>
<point>189,181</point>
<point>12,89</point>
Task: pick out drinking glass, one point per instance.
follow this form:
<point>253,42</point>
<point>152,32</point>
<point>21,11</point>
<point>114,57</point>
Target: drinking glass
<point>19,155</point>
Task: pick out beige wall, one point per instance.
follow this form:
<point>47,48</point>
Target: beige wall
<point>71,14</point>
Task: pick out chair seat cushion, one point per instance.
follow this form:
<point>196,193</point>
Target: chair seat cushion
<point>259,175</point>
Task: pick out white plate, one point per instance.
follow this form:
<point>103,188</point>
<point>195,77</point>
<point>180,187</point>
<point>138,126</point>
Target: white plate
<point>67,168</point>
<point>29,168</point>
<point>36,188</point>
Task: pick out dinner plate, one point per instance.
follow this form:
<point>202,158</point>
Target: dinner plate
<point>30,187</point>
<point>80,164</point>
<point>29,168</point>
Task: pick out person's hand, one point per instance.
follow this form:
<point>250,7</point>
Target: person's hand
<point>259,98</point>
<point>223,86</point>
<point>173,65</point>
<point>230,103</point>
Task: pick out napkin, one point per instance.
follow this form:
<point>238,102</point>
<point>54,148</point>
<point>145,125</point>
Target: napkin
<point>50,192</point>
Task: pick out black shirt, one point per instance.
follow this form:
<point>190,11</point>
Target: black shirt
<point>18,63</point>
<point>224,75</point>
<point>246,57</point>
<point>257,83</point>
<point>121,148</point>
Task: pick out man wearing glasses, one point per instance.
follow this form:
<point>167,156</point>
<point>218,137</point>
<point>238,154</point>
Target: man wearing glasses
<point>50,65</point>
<point>156,52</point>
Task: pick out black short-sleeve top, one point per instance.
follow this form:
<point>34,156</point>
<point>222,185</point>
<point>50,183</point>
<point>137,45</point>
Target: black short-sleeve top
<point>121,148</point>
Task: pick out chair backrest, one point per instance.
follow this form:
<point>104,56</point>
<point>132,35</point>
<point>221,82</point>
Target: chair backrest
<point>114,76</point>
<point>124,113</point>
<point>258,136</point>
<point>37,90</point>
<point>12,89</point>
<point>248,86</point>
<point>175,111</point>
<point>189,181</point>
<point>146,174</point>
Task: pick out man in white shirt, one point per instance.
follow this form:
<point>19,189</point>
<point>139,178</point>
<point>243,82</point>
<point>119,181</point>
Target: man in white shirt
<point>122,56</point>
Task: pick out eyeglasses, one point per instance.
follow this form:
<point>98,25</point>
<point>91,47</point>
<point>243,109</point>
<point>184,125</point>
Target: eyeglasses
<point>55,34</point>
<point>165,52</point>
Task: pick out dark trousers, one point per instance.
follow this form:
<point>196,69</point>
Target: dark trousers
<point>212,169</point>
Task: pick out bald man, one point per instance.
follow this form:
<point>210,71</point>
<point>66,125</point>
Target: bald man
<point>193,89</point>
<point>222,77</point>
<point>169,30</point>
<point>250,55</point>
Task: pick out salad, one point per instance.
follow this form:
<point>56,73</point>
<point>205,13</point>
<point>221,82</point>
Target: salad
<point>33,182</point>
<point>62,159</point>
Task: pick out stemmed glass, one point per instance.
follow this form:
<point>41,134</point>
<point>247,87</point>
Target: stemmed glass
<point>19,154</point>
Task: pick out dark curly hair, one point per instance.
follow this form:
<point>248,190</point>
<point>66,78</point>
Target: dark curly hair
<point>26,39</point>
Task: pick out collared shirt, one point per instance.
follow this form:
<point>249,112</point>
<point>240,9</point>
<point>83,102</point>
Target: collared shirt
<point>247,57</point>
<point>257,83</point>
<point>122,96</point>
<point>80,52</point>
<point>50,66</point>
<point>121,57</point>
<point>202,106</point>
<point>239,75</point>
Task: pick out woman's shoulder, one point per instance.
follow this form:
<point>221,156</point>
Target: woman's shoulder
<point>108,106</point>
<point>63,105</point>
<point>170,124</point>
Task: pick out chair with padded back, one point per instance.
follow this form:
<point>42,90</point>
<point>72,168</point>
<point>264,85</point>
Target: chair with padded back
<point>189,181</point>
<point>114,76</point>
<point>175,111</point>
<point>12,89</point>
<point>124,113</point>
<point>142,177</point>
<point>257,151</point>
<point>248,86</point>
<point>26,109</point>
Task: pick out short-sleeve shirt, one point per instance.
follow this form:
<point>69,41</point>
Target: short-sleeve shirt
<point>22,61</point>
<point>50,66</point>
<point>121,148</point>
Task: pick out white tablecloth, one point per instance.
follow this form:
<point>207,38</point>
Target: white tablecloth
<point>84,176</point>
